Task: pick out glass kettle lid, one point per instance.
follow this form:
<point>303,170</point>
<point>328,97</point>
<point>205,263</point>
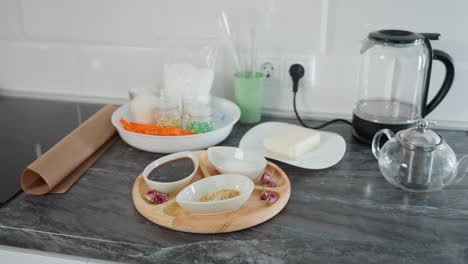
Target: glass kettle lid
<point>420,137</point>
<point>395,36</point>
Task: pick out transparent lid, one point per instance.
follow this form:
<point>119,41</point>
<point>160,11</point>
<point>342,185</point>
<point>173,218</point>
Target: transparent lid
<point>420,137</point>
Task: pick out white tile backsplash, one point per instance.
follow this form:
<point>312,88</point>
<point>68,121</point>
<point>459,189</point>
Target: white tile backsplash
<point>126,22</point>
<point>194,19</point>
<point>40,67</point>
<point>335,87</point>
<point>454,107</point>
<point>112,71</point>
<point>10,21</point>
<point>102,48</point>
<point>294,27</point>
<point>351,21</point>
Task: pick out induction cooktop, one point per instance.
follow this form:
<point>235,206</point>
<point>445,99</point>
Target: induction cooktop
<point>29,128</point>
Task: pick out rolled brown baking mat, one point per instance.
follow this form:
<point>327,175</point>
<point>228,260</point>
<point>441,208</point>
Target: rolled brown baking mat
<point>58,168</point>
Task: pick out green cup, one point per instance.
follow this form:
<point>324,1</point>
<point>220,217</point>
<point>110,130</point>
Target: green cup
<point>248,91</point>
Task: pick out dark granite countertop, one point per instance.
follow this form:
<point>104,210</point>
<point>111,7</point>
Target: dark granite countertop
<point>344,214</point>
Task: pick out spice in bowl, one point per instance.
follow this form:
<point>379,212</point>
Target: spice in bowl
<point>220,195</point>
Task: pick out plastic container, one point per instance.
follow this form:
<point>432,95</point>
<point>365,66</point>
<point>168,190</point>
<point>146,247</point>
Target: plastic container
<point>249,95</point>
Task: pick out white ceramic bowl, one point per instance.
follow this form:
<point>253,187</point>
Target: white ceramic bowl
<point>233,160</point>
<point>170,187</point>
<point>189,197</point>
<point>226,114</point>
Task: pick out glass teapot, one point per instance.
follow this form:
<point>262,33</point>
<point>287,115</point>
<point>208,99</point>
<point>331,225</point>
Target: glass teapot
<point>418,159</point>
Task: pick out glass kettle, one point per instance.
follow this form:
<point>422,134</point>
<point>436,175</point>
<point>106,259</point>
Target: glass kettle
<point>394,81</point>
<point>418,159</point>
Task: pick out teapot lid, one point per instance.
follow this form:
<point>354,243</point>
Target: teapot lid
<point>420,137</point>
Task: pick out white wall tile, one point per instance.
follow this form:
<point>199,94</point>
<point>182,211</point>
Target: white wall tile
<point>112,71</point>
<point>335,89</point>
<point>454,106</point>
<point>189,19</point>
<point>108,21</point>
<point>351,21</point>
<point>38,67</point>
<point>10,23</point>
<point>294,27</point>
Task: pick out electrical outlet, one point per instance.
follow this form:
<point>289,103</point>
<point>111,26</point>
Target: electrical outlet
<point>308,62</point>
<point>271,67</point>
<point>268,69</point>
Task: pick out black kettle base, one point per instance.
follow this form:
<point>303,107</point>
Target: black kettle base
<point>364,130</point>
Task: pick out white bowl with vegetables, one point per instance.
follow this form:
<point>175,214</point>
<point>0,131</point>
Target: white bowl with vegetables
<point>205,197</point>
<point>226,114</point>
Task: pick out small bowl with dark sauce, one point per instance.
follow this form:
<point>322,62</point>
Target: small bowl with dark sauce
<point>171,173</point>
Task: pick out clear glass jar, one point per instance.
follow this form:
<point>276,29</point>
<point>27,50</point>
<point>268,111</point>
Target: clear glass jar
<point>199,115</point>
<point>168,112</point>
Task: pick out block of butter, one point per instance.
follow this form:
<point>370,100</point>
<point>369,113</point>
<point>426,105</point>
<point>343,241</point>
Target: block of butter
<point>292,141</point>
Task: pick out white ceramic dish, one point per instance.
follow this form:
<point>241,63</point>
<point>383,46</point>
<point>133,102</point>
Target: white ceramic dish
<point>226,114</point>
<point>232,160</point>
<point>170,187</point>
<point>331,150</point>
<point>189,197</point>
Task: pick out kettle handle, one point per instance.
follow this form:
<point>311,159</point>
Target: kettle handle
<point>376,141</point>
<point>447,61</point>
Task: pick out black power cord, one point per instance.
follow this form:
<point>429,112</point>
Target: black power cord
<point>297,72</point>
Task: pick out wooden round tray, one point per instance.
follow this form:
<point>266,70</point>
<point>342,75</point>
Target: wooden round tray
<point>253,212</point>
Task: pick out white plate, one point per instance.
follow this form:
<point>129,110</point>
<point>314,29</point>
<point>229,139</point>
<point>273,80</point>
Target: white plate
<point>226,114</point>
<point>331,150</point>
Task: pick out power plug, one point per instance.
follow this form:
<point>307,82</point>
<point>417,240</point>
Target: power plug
<point>296,71</point>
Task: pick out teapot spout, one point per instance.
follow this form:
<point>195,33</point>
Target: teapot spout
<point>462,169</point>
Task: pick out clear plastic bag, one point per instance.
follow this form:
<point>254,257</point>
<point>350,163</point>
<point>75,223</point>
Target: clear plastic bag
<point>188,70</point>
<point>188,74</point>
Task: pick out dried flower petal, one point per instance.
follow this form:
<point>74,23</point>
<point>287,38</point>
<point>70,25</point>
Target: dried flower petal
<point>271,199</point>
<point>264,196</point>
<point>161,198</point>
<point>270,184</point>
<point>265,178</point>
<point>151,195</point>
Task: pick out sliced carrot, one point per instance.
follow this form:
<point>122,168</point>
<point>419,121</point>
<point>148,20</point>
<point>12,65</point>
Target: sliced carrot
<point>153,130</point>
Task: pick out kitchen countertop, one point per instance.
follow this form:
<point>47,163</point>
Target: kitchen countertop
<point>344,214</point>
